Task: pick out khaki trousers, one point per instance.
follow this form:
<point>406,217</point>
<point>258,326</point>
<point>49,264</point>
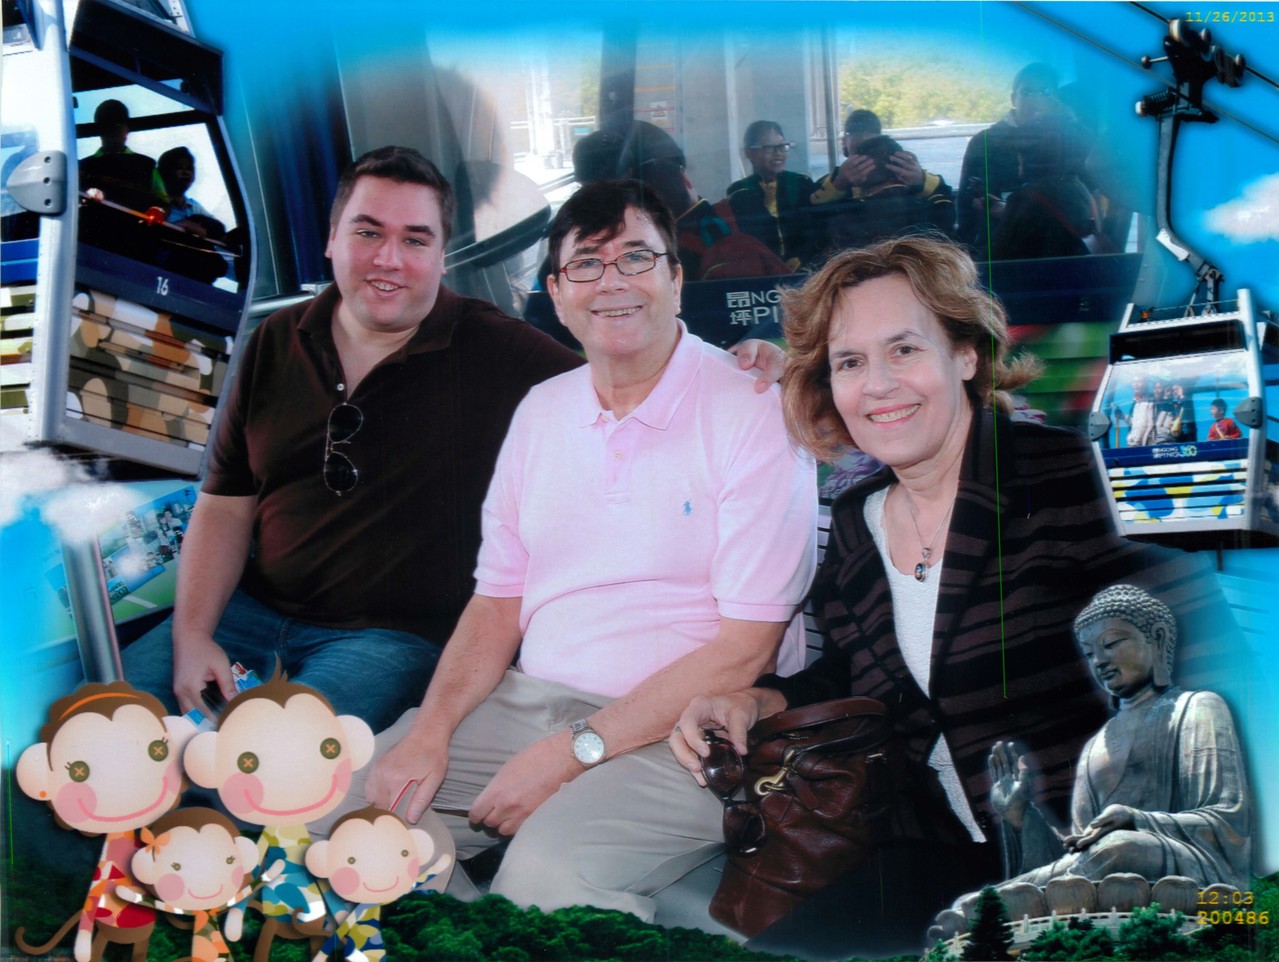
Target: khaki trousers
<point>613,837</point>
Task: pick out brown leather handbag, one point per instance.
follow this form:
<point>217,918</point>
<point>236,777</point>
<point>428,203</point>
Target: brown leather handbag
<point>821,784</point>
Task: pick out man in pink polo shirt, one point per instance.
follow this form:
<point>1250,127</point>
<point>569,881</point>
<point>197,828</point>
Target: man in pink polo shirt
<point>648,535</point>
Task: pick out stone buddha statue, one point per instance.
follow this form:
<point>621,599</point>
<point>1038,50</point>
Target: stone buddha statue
<point>1160,790</point>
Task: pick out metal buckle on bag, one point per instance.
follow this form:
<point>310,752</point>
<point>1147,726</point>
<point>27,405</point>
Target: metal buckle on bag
<point>774,783</point>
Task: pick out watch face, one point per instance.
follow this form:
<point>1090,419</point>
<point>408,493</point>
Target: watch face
<point>588,748</point>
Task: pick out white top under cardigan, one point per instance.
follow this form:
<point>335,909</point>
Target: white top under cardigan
<point>914,613</point>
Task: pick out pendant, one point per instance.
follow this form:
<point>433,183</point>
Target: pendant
<point>921,572</point>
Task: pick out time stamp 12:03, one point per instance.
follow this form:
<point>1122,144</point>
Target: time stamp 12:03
<point>1229,908</point>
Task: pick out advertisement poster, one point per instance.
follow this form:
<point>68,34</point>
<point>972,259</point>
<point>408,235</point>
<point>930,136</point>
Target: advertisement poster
<point>266,103</point>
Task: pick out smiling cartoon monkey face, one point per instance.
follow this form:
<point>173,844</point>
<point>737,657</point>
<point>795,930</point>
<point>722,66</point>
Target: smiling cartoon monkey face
<point>110,761</point>
<point>195,860</point>
<point>280,755</point>
<point>371,859</point>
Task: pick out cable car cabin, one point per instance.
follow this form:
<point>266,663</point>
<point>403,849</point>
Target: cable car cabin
<point>126,262</point>
<point>1184,432</point>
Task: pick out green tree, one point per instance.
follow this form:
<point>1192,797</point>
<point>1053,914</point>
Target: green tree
<point>990,935</point>
<point>940,952</point>
<point>1149,935</point>
<point>1070,943</point>
<point>908,91</point>
<point>445,942</point>
<point>509,953</point>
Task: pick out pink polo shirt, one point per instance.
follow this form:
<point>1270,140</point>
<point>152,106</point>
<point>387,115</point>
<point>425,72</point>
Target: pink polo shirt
<point>628,541</point>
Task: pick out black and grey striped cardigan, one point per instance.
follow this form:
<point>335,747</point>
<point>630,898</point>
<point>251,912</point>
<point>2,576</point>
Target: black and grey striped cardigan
<point>1031,540</point>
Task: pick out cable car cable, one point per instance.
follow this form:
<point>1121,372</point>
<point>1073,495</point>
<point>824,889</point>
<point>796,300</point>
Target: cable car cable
<point>1154,13</point>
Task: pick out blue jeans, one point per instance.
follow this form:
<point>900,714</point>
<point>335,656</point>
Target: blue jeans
<point>375,673</point>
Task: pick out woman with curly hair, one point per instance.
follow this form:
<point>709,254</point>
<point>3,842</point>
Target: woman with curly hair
<point>951,577</point>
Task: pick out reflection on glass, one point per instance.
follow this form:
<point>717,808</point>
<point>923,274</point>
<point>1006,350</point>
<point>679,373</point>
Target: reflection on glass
<point>136,206</point>
<point>1175,401</point>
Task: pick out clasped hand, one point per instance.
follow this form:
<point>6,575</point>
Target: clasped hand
<point>524,782</point>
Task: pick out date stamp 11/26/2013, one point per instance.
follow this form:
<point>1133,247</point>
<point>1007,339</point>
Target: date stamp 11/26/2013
<point>1229,15</point>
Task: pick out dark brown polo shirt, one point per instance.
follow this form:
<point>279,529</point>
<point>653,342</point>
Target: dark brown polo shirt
<point>398,550</point>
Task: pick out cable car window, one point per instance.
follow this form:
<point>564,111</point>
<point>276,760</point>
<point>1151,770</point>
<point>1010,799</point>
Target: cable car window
<point>16,145</point>
<point>930,102</point>
<point>513,122</point>
<point>17,15</point>
<point>151,185</point>
<point>1179,400</point>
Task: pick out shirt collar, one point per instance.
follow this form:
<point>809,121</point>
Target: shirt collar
<point>435,333</point>
<point>659,407</point>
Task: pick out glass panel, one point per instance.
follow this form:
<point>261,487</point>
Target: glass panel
<point>524,111</point>
<point>543,96</point>
<point>160,161</point>
<point>16,145</point>
<point>1176,400</point>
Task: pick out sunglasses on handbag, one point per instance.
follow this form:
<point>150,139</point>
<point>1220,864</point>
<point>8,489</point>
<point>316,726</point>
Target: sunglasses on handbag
<point>725,774</point>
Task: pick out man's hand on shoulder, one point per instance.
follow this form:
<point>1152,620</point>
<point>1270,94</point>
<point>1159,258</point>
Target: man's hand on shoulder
<point>416,765</point>
<point>527,779</point>
<point>198,660</point>
<point>764,357</point>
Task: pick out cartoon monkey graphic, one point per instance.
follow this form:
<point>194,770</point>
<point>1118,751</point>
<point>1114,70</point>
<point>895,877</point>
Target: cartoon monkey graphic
<point>107,764</point>
<point>196,862</point>
<point>372,858</point>
<point>280,758</point>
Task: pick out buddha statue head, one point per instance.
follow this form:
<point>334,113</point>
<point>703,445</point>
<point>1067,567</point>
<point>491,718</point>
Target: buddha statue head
<point>1128,637</point>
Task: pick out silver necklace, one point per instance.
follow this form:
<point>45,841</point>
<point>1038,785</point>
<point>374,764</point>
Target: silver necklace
<point>925,550</point>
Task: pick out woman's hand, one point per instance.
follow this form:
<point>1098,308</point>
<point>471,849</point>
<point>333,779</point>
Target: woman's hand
<point>733,714</point>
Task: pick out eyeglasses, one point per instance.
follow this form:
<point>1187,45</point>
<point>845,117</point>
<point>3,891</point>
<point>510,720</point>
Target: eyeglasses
<point>340,475</point>
<point>586,269</point>
<point>781,148</point>
<point>725,773</point>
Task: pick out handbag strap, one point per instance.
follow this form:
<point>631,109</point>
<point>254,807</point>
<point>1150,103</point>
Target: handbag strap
<point>816,714</point>
<point>866,737</point>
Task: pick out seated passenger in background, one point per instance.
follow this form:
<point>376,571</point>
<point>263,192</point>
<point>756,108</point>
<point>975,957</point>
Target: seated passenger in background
<point>648,535</point>
<point>177,170</point>
<point>114,171</point>
<point>596,156</point>
<point>772,204</point>
<point>838,195</point>
<point>884,205</point>
<point>711,246</point>
<point>1165,412</point>
<point>1142,414</point>
<point>1052,213</point>
<point>992,162</point>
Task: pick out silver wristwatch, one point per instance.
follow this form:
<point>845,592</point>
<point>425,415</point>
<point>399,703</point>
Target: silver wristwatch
<point>588,747</point>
